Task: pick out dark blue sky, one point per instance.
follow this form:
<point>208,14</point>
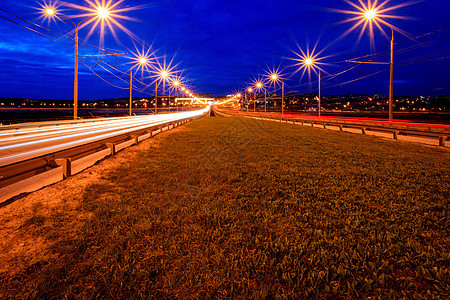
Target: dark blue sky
<point>223,44</point>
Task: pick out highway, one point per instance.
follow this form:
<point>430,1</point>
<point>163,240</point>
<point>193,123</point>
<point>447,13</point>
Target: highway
<point>433,134</point>
<point>21,143</point>
<point>34,155</point>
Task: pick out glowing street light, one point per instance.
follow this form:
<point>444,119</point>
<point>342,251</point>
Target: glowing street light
<point>371,15</point>
<point>250,90</point>
<point>143,60</point>
<point>368,15</point>
<point>310,61</point>
<point>275,78</point>
<point>163,72</point>
<point>310,64</point>
<point>142,63</point>
<point>176,84</point>
<point>259,86</point>
<point>161,76</point>
<point>101,13</point>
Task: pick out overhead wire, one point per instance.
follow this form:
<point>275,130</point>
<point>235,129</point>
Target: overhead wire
<point>46,32</point>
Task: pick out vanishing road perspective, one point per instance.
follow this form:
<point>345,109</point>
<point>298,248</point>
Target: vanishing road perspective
<point>224,149</point>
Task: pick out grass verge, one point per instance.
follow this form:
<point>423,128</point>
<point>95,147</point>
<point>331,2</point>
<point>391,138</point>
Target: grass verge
<point>239,208</point>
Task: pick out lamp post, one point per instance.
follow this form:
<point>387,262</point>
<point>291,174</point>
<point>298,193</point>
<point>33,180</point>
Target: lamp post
<point>259,86</point>
<point>168,101</point>
<point>275,78</point>
<point>176,84</point>
<point>391,84</point>
<point>131,90</point>
<point>309,62</point>
<point>319,93</point>
<point>141,62</point>
<point>156,97</point>
<point>182,104</point>
<point>371,15</point>
<point>187,93</point>
<point>161,76</point>
<point>249,95</point>
<point>102,13</point>
<point>238,97</point>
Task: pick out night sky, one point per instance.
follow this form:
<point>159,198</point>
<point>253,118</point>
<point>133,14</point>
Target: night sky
<point>222,45</point>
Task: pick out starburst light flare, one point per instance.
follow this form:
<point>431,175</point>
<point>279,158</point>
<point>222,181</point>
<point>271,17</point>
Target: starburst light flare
<point>274,76</point>
<point>104,14</point>
<point>142,59</point>
<point>307,61</point>
<point>49,10</point>
<point>370,14</point>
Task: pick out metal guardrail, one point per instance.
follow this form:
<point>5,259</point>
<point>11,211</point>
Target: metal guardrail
<point>32,174</point>
<point>419,132</point>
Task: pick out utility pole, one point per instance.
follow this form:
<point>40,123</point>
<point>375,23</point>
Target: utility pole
<point>319,93</point>
<point>75,81</point>
<point>282,97</point>
<point>265,100</point>
<point>156,97</point>
<point>391,84</point>
<point>131,90</point>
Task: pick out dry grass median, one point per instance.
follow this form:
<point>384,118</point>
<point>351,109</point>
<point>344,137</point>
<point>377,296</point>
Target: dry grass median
<point>239,208</point>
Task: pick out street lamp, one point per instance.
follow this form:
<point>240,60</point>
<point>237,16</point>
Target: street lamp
<point>176,84</point>
<point>274,77</point>
<point>370,15</point>
<point>102,14</point>
<point>250,90</point>
<point>141,62</point>
<point>161,76</point>
<point>238,97</point>
<point>309,63</point>
<point>259,86</point>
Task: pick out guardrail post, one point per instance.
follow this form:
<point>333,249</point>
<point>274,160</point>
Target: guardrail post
<point>395,134</point>
<point>66,163</point>
<point>442,140</point>
<point>136,139</point>
<point>324,126</point>
<point>340,128</point>
<point>363,130</point>
<point>111,146</point>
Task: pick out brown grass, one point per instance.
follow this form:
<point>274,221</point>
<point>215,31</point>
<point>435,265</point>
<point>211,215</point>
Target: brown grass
<point>238,208</point>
